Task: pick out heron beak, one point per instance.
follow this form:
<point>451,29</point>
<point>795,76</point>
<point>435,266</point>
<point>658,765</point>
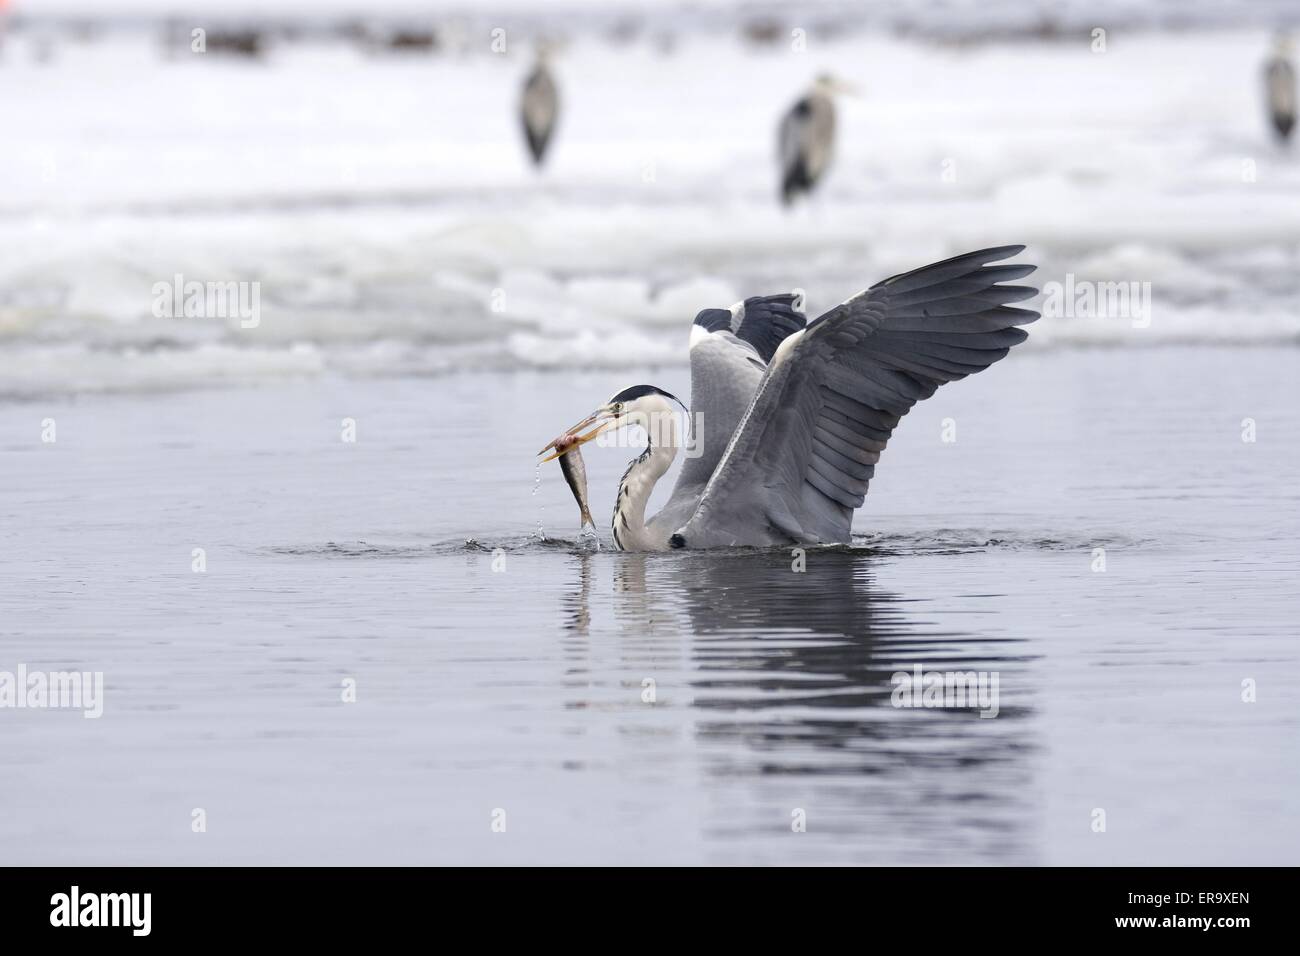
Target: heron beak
<point>602,418</point>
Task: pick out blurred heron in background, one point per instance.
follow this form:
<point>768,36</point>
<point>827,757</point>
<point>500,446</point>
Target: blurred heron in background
<point>1279,82</point>
<point>790,417</point>
<point>539,106</point>
<point>806,137</point>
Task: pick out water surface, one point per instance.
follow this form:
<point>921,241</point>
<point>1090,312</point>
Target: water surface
<point>525,688</point>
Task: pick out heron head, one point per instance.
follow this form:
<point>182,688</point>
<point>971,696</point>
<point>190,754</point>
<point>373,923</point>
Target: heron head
<point>643,405</point>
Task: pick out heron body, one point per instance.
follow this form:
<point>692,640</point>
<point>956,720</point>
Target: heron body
<point>538,110</point>
<point>1280,86</point>
<point>789,417</point>
<point>806,142</point>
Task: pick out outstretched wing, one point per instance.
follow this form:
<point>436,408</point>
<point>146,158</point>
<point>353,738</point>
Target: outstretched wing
<point>800,462</point>
<point>730,349</point>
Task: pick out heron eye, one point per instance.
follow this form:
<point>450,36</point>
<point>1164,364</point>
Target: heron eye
<point>618,408</point>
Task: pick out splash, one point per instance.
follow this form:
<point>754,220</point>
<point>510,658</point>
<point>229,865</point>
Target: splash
<point>589,538</point>
<point>540,533</point>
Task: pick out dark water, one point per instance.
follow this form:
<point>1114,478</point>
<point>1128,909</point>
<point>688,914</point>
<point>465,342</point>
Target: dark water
<point>499,670</point>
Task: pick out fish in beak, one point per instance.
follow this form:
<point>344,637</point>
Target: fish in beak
<point>566,449</point>
<point>602,418</point>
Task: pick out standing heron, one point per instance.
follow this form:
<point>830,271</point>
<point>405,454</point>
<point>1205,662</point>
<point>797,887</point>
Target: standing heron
<point>790,416</point>
<point>1280,87</point>
<point>539,107</point>
<point>806,138</point>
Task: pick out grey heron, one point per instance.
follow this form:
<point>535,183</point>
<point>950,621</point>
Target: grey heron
<point>789,417</point>
<point>806,138</point>
<point>1280,87</point>
<point>539,107</point>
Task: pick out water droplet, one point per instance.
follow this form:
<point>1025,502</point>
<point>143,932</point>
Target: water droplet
<point>540,533</point>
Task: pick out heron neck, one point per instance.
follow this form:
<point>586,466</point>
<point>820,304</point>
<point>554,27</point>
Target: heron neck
<point>634,493</point>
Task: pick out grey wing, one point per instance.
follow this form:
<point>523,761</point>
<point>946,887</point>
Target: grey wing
<point>801,460</point>
<point>730,349</point>
<point>792,136</point>
<point>765,321</point>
